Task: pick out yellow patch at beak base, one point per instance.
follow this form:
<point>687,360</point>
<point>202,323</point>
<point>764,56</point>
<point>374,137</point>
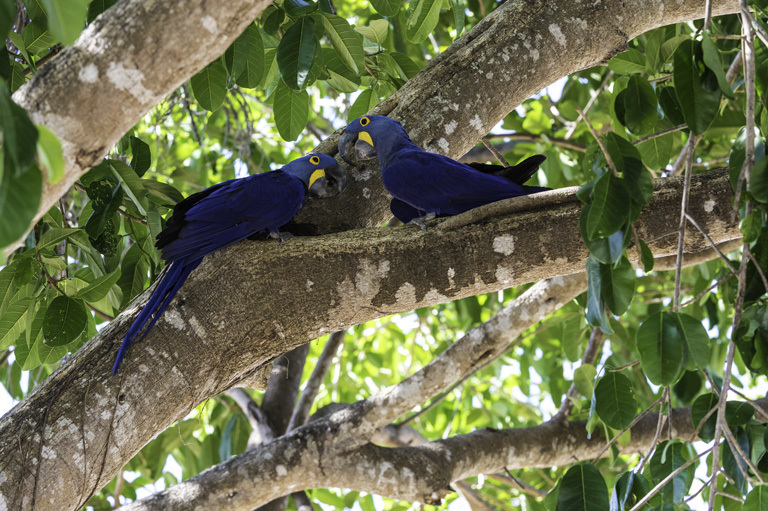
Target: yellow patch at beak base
<point>317,174</point>
<point>365,137</point>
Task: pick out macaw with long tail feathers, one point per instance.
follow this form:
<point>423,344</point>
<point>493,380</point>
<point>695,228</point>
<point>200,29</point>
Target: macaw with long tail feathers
<point>424,184</point>
<point>227,213</point>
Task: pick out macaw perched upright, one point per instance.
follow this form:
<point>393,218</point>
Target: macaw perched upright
<point>426,184</point>
<point>227,213</point>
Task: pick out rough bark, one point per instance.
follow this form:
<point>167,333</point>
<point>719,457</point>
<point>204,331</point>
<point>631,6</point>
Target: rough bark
<point>71,435</point>
<point>123,64</point>
<point>81,425</point>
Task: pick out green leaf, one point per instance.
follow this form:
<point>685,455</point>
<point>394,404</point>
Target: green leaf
<point>35,10</point>
<point>629,489</point>
<point>610,206</point>
<point>291,109</point>
<point>13,322</point>
<point>582,488</point>
<point>209,86</point>
<point>65,320</point>
<point>646,257</point>
<point>376,31</point>
<point>731,466</point>
<point>668,458</point>
<point>583,379</point>
<point>628,62</point>
<point>639,106</point>
<point>387,7</point>
<point>164,193</point>
<point>617,285</point>
<point>66,18</point>
<point>421,19</point>
<point>19,198</point>
<point>713,61</point>
<point>657,151</point>
<point>737,154</point>
<point>404,66</point>
<point>738,413</point>
<point>50,154</point>
<point>135,273</point>
<point>96,7</point>
<point>7,14</point>
<point>757,499</point>
<point>662,352</point>
<point>55,236</point>
<point>37,38</point>
<point>341,78</point>
<point>5,62</point>
<point>458,7</point>
<point>758,180</point>
<point>751,226</point>
<point>345,41</point>
<point>296,53</point>
<point>99,288</point>
<point>362,105</point>
<point>616,403</point>
<point>695,339</point>
<point>19,136</point>
<point>595,305</point>
<point>673,112</point>
<point>131,184</point>
<point>141,158</point>
<point>299,7</point>
<point>248,65</point>
<point>698,104</point>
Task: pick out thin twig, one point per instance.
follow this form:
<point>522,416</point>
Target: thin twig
<point>666,480</point>
<point>634,421</point>
<point>599,141</point>
<point>706,291</point>
<point>759,30</point>
<point>757,266</point>
<point>660,133</point>
<point>659,425</point>
<point>707,15</point>
<point>748,56</point>
<point>538,138</point>
<point>494,152</point>
<point>712,243</point>
<point>591,101</point>
<point>735,446</point>
<point>681,233</point>
<point>590,355</point>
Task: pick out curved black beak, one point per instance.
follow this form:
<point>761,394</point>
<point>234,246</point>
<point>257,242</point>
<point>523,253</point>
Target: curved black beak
<point>330,184</point>
<point>351,145</point>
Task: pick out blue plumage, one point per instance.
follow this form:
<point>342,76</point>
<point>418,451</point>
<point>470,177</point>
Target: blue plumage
<point>426,184</point>
<point>225,214</point>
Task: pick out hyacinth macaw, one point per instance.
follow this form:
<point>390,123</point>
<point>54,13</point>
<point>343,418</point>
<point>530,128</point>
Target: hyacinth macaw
<point>227,213</point>
<point>424,184</point>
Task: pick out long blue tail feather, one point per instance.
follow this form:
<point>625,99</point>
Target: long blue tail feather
<point>157,303</point>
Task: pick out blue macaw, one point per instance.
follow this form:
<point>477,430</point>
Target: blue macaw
<point>227,213</point>
<point>424,184</point>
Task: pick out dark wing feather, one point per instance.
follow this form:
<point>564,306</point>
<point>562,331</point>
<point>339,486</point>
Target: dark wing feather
<point>519,173</point>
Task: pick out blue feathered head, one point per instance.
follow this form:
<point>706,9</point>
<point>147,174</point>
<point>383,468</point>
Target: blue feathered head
<point>368,135</point>
<point>321,174</point>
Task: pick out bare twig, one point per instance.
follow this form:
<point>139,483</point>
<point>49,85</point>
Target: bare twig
<point>494,152</point>
<point>706,291</point>
<point>707,15</point>
<point>735,446</point>
<point>599,141</point>
<point>660,133</point>
<point>748,55</point>
<point>757,266</point>
<point>712,243</point>
<point>591,101</point>
<point>666,480</point>
<point>684,208</point>
<point>659,425</point>
<point>590,354</point>
<point>759,30</point>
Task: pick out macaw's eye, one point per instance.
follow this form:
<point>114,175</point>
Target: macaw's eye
<point>364,121</point>
<point>314,160</point>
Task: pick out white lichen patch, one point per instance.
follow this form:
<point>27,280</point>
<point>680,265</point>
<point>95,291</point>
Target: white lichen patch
<point>451,274</point>
<point>172,317</point>
<point>197,327</point>
<point>210,24</point>
<point>451,127</point>
<point>557,34</point>
<point>504,275</point>
<point>443,144</point>
<point>476,123</point>
<point>48,453</point>
<point>366,193</point>
<point>504,244</point>
<point>309,285</point>
<point>88,74</point>
<point>281,471</point>
<point>3,477</point>
<point>433,296</point>
<point>131,81</point>
<point>406,295</point>
<point>709,206</point>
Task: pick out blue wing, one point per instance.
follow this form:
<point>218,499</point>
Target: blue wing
<point>435,183</point>
<point>211,220</point>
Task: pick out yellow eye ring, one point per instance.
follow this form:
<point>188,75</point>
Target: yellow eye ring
<point>314,160</point>
<point>364,121</point>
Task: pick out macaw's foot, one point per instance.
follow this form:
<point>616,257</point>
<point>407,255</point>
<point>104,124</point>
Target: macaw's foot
<point>421,221</point>
<point>282,236</point>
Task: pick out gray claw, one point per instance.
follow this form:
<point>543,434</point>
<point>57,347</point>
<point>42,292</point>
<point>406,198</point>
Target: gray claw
<point>421,221</point>
<point>282,236</point>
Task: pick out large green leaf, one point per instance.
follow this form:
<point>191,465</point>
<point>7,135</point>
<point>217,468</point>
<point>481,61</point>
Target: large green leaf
<point>667,458</point>
<point>65,319</point>
<point>37,39</point>
<point>421,19</point>
<point>713,61</point>
<point>66,18</point>
<point>610,206</point>
<point>96,7</point>
<point>640,106</point>
<point>662,351</point>
<point>757,499</point>
<point>696,340</point>
<point>19,198</point>
<point>345,41</point>
<point>657,151</point>
<point>209,86</point>
<point>291,111</point>
<point>299,7</point>
<point>55,236</point>
<point>698,104</point>
<point>19,135</point>
<point>341,77</point>
<point>458,7</point>
<point>738,152</point>
<point>50,154</point>
<point>699,409</point>
<point>131,184</point>
<point>617,285</point>
<point>248,64</point>
<point>758,180</point>
<point>99,288</point>
<point>296,53</point>
<point>363,104</point>
<point>141,158</point>
<point>13,322</point>
<point>376,31</point>
<point>7,14</point>
<point>582,488</point>
<point>387,7</point>
<point>628,62</point>
<point>615,403</point>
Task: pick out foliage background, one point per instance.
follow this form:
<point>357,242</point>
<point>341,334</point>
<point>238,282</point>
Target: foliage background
<point>299,72</point>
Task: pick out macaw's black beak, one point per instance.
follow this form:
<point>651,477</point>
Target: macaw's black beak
<point>328,182</point>
<point>353,145</point>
